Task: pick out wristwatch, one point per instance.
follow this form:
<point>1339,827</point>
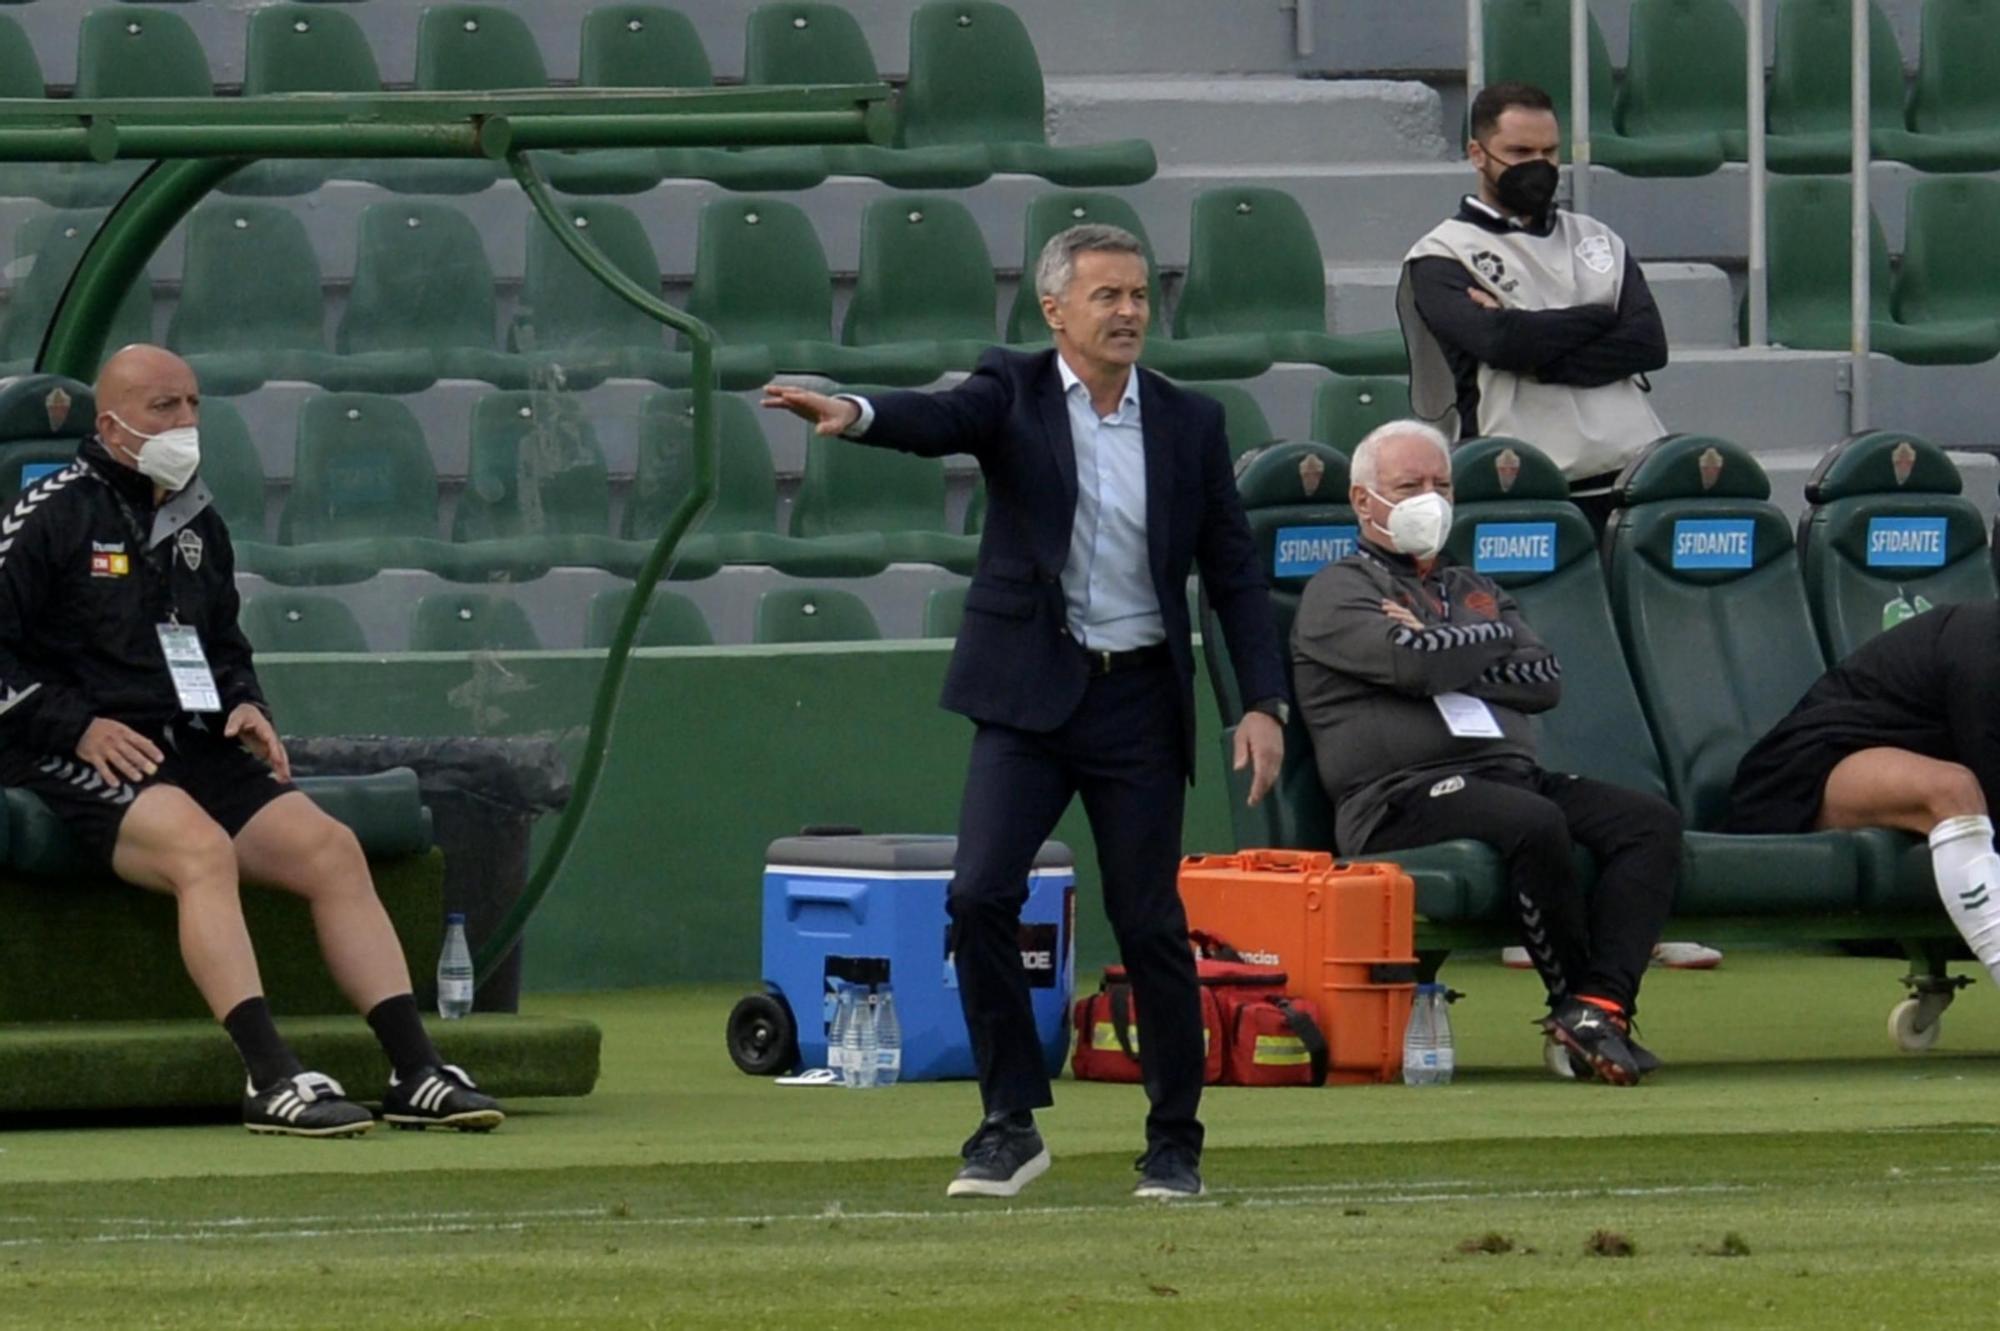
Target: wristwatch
<point>1276,708</point>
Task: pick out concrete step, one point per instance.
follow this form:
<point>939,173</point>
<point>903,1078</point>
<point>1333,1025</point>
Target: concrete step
<point>1276,120</point>
<point>1695,300</point>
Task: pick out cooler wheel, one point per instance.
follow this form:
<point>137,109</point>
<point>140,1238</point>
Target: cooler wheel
<point>763,1038</point>
<point>1904,1030</point>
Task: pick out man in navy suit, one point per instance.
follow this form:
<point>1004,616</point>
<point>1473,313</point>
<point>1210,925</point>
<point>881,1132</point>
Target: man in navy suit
<point>1105,484</point>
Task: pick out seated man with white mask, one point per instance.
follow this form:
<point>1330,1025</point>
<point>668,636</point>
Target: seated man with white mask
<point>1416,678</point>
<point>128,703</point>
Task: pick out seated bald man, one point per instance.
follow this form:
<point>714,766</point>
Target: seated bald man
<point>129,704</point>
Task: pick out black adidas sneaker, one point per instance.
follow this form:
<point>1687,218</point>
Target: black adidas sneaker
<point>310,1104</point>
<point>442,1097</point>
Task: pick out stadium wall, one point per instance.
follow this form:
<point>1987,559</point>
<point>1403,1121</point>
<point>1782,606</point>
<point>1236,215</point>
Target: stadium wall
<point>715,752</point>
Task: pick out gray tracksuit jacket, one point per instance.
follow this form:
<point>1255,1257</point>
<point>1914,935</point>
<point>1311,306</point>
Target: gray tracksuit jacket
<point>1365,684</point>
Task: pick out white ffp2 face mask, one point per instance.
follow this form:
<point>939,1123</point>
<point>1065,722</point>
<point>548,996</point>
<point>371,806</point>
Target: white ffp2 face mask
<point>1418,525</point>
<point>168,458</point>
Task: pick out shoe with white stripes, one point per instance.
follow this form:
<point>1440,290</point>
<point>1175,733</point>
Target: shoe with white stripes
<point>441,1097</point>
<point>310,1104</point>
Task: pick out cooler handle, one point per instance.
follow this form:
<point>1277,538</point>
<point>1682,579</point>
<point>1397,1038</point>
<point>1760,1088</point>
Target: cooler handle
<point>1392,972</point>
<point>854,896</point>
<point>1285,861</point>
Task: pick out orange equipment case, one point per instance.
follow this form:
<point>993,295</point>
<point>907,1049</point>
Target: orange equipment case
<point>1343,933</point>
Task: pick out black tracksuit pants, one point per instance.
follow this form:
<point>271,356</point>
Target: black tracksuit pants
<point>1599,944</point>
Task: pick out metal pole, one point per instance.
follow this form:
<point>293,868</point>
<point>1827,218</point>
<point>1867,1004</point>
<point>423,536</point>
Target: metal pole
<point>1579,106</point>
<point>1753,87</point>
<point>1857,399</point>
<point>1475,55</point>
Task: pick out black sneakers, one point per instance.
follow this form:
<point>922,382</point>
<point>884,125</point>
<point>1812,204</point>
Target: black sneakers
<point>1004,1156</point>
<point>310,1104</point>
<point>1597,1038</point>
<point>1168,1174</point>
<point>442,1097</point>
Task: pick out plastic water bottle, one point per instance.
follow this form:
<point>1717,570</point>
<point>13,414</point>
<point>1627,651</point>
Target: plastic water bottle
<point>1421,1042</point>
<point>888,1037</point>
<point>454,970</point>
<point>858,1040</point>
<point>1447,1060</point>
<point>842,1003</point>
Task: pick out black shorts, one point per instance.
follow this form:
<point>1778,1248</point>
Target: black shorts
<point>1780,785</point>
<point>225,779</point>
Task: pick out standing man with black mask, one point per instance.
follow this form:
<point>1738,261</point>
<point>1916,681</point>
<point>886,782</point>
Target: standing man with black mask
<point>1528,320</point>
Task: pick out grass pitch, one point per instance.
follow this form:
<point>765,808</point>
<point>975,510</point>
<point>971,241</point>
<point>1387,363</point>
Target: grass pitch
<point>1788,1168</point>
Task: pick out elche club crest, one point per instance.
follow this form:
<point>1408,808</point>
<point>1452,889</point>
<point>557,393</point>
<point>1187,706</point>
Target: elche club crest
<point>189,545</point>
<point>1904,459</point>
<point>1507,469</point>
<point>1710,464</point>
<point>1311,472</point>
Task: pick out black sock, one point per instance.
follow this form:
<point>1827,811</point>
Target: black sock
<point>266,1056</point>
<point>401,1032</point>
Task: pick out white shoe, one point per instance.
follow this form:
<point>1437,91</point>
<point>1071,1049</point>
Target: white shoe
<point>1516,959</point>
<point>1686,956</point>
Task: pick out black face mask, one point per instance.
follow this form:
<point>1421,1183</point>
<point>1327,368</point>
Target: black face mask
<point>1526,189</point>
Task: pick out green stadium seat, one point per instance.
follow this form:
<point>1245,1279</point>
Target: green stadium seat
<point>536,488</point>
<point>1943,279</point>
<point>1242,419</point>
<point>1810,287</point>
<point>813,614</point>
<point>133,51</point>
<point>1889,535</point>
<point>1684,74</point>
<point>1957,92</point>
<point>1811,60</point>
<point>1255,275</point>
<point>742,525</point>
<point>231,467</point>
<point>1057,211</point>
<point>944,611</point>
<point>423,293</point>
<point>1347,407</point>
<point>761,282</point>
<point>43,417</point>
<point>250,308</point>
<point>297,48</point>
<point>651,46</point>
<point>806,43</point>
<point>975,79</point>
<point>1528,41</point>
<point>66,184</point>
<point>975,508</point>
<point>925,287</point>
<point>850,489</point>
<point>47,248</point>
<point>470,622</point>
<point>671,620</point>
<point>300,622</point>
<point>464,48</point>
<point>363,472</point>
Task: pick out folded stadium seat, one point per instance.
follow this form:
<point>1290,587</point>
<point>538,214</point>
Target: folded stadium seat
<point>294,48</point>
<point>850,489</point>
<point>1811,58</point>
<point>43,417</point>
<point>577,331</point>
<point>804,43</point>
<point>761,282</point>
<point>1943,279</point>
<point>944,611</point>
<point>975,79</point>
<point>364,494</point>
<point>1255,276</point>
<point>1684,75</point>
<point>1711,611</point>
<point>46,250</point>
<point>300,622</point>
<point>537,494</point>
<point>1347,407</point>
<point>470,622</point>
<point>671,620</point>
<point>1956,97</point>
<point>1057,211</point>
<point>1810,284</point>
<point>924,293</point>
<point>423,295</point>
<point>463,48</point>
<point>131,51</point>
<point>1242,419</point>
<point>1528,41</point>
<point>813,614</point>
<point>741,527</point>
<point>1889,534</point>
<point>232,469</point>
<point>651,46</point>
<point>975,508</point>
<point>66,184</point>
<point>250,308</point>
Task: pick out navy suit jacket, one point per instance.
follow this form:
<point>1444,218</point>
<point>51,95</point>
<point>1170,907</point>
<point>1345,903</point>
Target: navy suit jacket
<point>1013,664</point>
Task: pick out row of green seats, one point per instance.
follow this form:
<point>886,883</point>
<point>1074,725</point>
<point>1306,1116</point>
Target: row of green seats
<point>1681,108</point>
<point>973,106</point>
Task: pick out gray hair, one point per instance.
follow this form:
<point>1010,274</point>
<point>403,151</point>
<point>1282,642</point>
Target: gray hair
<point>1057,265</point>
<point>1364,468</point>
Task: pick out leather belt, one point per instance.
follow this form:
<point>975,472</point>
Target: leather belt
<point>1104,663</point>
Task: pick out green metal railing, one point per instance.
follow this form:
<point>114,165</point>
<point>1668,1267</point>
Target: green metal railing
<point>195,146</point>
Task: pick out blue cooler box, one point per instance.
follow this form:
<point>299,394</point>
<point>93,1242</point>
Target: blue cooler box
<point>830,899</point>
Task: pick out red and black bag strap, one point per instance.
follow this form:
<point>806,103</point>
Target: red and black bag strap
<point>1120,996</point>
<point>1210,946</point>
<point>1309,1035</point>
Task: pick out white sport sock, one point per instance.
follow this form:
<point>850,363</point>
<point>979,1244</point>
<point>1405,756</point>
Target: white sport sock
<point>1968,882</point>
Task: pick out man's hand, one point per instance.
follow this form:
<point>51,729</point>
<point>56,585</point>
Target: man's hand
<point>118,752</point>
<point>1403,615</point>
<point>249,724</point>
<point>1483,298</point>
<point>1260,746</point>
<point>827,415</point>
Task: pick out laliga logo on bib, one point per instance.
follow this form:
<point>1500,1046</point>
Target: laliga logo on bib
<point>1595,251</point>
